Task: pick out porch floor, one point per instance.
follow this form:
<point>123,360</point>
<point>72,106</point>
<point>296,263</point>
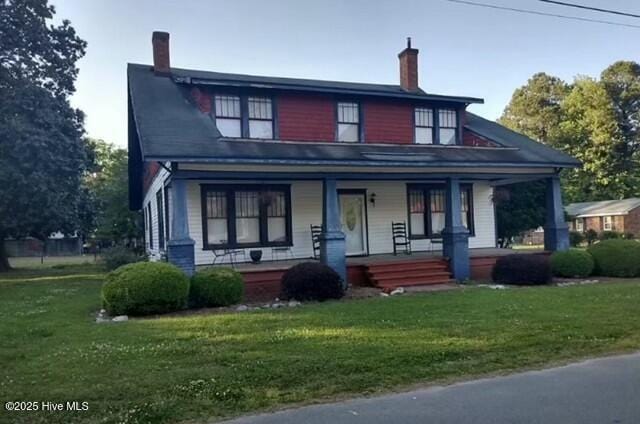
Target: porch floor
<point>379,258</point>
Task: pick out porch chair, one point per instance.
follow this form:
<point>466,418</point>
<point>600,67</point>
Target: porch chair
<point>434,241</point>
<point>231,253</point>
<point>400,238</point>
<point>284,250</point>
<point>316,230</point>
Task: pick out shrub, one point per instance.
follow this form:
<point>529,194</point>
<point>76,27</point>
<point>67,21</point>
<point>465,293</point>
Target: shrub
<point>117,256</point>
<point>609,235</point>
<point>629,236</point>
<point>522,269</point>
<point>575,238</point>
<point>590,236</point>
<point>311,281</point>
<point>145,288</point>
<point>217,286</point>
<point>572,263</point>
<point>616,258</point>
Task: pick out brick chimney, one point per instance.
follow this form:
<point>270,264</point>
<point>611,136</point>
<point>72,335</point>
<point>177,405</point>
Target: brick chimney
<point>161,60</point>
<point>409,68</point>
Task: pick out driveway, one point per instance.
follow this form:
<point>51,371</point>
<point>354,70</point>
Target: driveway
<point>597,391</point>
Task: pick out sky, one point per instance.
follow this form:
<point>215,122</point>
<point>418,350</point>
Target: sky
<point>464,50</point>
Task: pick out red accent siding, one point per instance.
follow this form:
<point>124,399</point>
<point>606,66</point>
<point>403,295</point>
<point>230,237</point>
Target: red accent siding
<point>386,122</point>
<point>202,99</point>
<point>149,173</point>
<point>472,139</point>
<point>306,118</point>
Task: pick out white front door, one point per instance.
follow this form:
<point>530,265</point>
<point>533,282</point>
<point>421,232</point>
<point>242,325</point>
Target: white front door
<point>353,217</point>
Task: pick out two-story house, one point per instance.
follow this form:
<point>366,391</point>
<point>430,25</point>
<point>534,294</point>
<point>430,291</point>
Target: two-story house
<point>226,163</point>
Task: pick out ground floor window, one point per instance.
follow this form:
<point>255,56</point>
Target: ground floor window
<point>427,209</point>
<point>607,223</point>
<point>246,216</point>
<point>579,225</point>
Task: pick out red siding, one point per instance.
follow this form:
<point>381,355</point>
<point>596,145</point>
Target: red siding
<point>149,173</point>
<point>202,99</point>
<point>306,118</point>
<point>386,122</point>
<point>472,139</point>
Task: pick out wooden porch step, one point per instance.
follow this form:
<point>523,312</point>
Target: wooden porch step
<point>410,268</point>
<point>389,275</point>
<point>383,278</point>
<point>422,282</point>
<point>406,266</point>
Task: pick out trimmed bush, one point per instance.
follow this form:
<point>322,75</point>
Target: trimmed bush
<point>219,286</point>
<point>575,238</point>
<point>616,258</point>
<point>572,263</point>
<point>609,235</point>
<point>522,269</point>
<point>145,288</point>
<point>117,256</point>
<point>311,281</point>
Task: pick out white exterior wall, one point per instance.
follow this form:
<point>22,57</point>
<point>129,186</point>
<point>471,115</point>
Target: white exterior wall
<point>150,198</point>
<point>306,207</point>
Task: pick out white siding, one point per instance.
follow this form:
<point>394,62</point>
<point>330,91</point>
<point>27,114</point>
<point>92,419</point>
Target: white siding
<point>150,198</point>
<point>306,199</point>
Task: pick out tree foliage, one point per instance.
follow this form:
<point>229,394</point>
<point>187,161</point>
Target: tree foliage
<point>42,155</point>
<point>519,207</point>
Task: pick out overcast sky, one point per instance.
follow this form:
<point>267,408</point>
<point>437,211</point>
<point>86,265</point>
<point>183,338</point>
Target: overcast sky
<point>464,50</point>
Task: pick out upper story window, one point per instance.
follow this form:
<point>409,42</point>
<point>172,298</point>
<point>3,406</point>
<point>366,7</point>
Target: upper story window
<point>260,117</point>
<point>448,130</point>
<point>424,125</point>
<point>228,115</point>
<point>250,117</point>
<point>428,130</point>
<point>348,122</point>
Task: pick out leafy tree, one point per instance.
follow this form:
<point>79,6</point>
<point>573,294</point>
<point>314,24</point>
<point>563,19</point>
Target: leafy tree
<point>42,156</point>
<point>107,184</point>
<point>519,207</point>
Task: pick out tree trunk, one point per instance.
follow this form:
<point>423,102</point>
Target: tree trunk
<point>4,259</point>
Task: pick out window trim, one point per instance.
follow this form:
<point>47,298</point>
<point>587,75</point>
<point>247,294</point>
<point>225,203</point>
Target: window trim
<point>416,126</point>
<point>436,124</point>
<point>604,223</point>
<point>230,190</point>
<point>360,121</point>
<point>244,112</point>
<point>426,189</point>
<point>150,220</point>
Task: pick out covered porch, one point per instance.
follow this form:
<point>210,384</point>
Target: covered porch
<point>314,197</point>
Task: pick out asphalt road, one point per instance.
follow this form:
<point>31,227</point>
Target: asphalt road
<point>597,391</point>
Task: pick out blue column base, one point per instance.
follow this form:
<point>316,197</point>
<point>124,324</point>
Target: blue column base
<point>181,253</point>
<point>455,246</point>
<point>332,253</point>
<point>556,238</point>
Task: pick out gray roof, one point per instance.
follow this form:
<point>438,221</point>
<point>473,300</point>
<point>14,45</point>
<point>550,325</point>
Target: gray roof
<point>168,126</point>
<point>602,208</point>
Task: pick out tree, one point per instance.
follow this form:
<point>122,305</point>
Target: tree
<point>107,184</point>
<point>42,155</point>
<point>519,207</point>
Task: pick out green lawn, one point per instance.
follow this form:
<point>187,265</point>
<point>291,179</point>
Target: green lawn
<point>197,367</point>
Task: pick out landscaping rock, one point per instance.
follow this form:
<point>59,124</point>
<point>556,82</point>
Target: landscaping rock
<point>383,294</point>
<point>293,303</point>
<point>120,318</point>
<point>102,320</point>
<point>399,290</point>
<point>242,308</point>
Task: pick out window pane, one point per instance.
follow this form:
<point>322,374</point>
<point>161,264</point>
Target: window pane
<point>229,127</point>
<point>424,135</point>
<point>260,108</point>
<point>416,212</point>
<point>424,117</point>
<point>261,129</point>
<point>437,222</point>
<point>437,211</point>
<point>447,136</point>
<point>217,231</point>
<point>417,224</point>
<point>348,113</point>
<point>447,118</point>
<point>247,217</point>
<point>348,132</point>
<point>276,228</point>
<point>227,106</point>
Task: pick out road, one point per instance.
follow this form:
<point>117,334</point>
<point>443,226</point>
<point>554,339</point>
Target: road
<point>598,391</point>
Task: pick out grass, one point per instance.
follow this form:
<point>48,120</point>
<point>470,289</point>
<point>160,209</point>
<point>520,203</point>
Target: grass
<point>196,367</point>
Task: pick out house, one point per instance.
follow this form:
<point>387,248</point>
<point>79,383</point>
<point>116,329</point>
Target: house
<point>622,216</point>
<point>226,163</point>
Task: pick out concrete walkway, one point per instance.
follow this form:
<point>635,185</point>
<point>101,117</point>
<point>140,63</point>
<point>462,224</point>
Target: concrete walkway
<point>597,391</point>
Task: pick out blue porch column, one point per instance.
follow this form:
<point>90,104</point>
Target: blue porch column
<point>455,237</point>
<point>332,239</point>
<point>180,248</point>
<point>556,230</point>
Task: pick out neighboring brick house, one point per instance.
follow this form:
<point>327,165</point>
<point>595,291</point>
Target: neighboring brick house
<point>622,216</point>
<point>222,164</point>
